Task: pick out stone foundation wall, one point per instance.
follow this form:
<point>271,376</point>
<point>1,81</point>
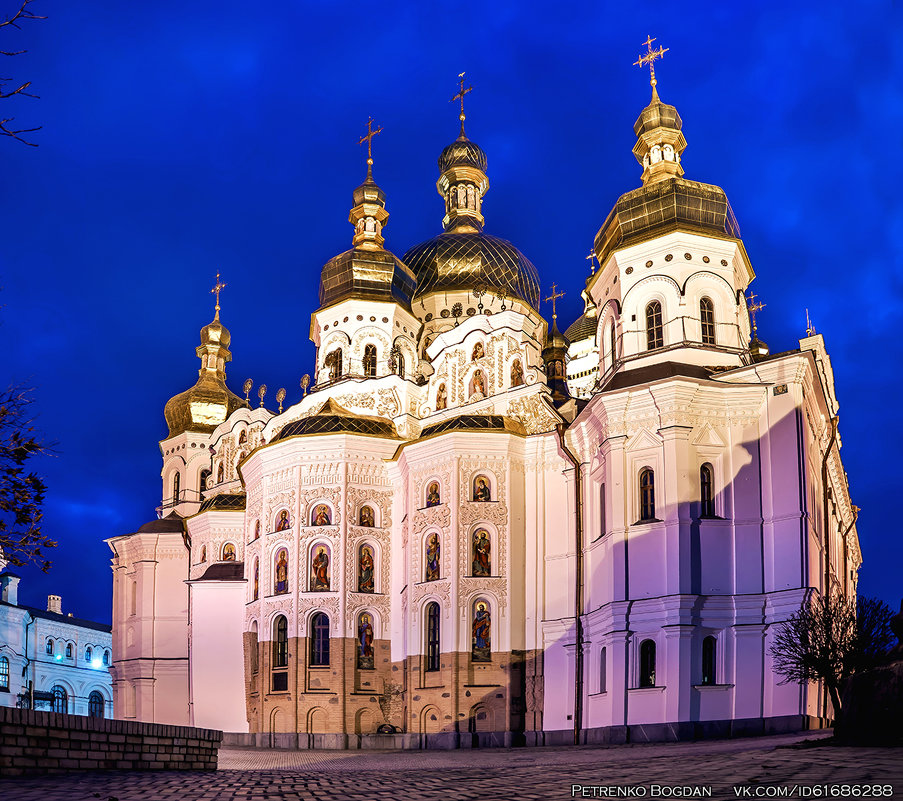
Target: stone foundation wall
<point>51,742</point>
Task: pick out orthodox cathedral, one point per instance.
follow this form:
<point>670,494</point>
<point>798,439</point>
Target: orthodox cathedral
<point>474,528</point>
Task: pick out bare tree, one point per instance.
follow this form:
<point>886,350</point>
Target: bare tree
<point>21,492</point>
<point>831,638</point>
<point>6,127</point>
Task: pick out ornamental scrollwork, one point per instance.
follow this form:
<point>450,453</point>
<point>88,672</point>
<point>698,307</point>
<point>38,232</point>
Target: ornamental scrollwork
<point>535,416</point>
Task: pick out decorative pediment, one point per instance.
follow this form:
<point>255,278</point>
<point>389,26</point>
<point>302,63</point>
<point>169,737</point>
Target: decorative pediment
<point>643,440</point>
<point>708,436</point>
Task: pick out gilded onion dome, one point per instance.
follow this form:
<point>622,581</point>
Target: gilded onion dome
<point>209,402</point>
<point>368,270</point>
<point>464,256</point>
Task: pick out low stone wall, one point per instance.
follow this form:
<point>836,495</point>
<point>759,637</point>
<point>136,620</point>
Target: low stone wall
<point>50,742</point>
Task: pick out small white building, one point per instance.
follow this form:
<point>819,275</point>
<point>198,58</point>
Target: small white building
<point>50,660</point>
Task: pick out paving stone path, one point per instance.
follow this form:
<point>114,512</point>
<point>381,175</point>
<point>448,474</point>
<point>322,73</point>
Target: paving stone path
<point>791,766</point>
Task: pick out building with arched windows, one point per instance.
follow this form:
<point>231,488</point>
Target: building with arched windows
<point>472,528</point>
<point>49,660</point>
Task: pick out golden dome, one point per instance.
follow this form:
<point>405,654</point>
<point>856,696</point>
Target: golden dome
<point>209,402</point>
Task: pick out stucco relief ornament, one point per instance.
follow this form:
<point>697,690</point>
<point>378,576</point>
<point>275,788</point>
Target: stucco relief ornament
<point>440,589</point>
<point>535,416</point>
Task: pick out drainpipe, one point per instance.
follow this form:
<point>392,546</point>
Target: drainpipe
<point>824,484</point>
<point>30,688</point>
<point>578,591</point>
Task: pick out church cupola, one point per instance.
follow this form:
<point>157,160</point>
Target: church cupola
<point>209,402</point>
<point>367,270</point>
<point>462,180</point>
<point>554,355</point>
<point>660,141</point>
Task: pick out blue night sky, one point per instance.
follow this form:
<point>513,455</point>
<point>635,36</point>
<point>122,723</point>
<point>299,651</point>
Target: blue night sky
<point>184,138</point>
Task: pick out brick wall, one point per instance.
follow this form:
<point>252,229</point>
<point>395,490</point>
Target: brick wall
<point>49,742</point>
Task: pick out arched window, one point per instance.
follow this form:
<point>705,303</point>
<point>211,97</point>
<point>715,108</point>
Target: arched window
<point>647,494</point>
<point>95,705</point>
<point>106,658</point>
<point>399,363</point>
<point>707,320</point>
<point>603,667</point>
<point>60,698</point>
<point>176,487</point>
<point>333,363</point>
<point>88,654</point>
<point>4,673</point>
<point>204,478</point>
<point>708,660</point>
<point>370,361</point>
<point>654,336</point>
<point>647,663</point>
<point>613,343</point>
<point>706,495</point>
<point>48,646</point>
<point>280,642</point>
<point>319,640</point>
<point>68,650</point>
<point>432,636</point>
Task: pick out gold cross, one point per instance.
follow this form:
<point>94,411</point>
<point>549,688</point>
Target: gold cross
<point>369,140</point>
<point>553,297</point>
<point>752,306</point>
<point>460,96</point>
<point>592,262</point>
<point>220,286</point>
<point>650,57</point>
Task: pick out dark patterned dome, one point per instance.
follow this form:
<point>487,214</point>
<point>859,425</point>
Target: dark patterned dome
<point>464,260</point>
<point>462,153</point>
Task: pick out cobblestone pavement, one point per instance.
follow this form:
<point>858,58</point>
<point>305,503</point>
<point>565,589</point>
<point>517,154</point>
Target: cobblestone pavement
<point>761,764</point>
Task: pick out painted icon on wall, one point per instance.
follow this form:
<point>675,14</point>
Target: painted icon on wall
<point>482,557</point>
<point>283,523</point>
<point>322,515</point>
<point>441,398</point>
<point>481,490</point>
<point>280,585</point>
<point>432,557</point>
<point>432,494</point>
<point>366,516</point>
<point>319,569</point>
<point>257,530</point>
<point>477,352</point>
<point>365,582</point>
<point>517,374</point>
<point>481,648</point>
<point>365,642</point>
<point>228,552</point>
<point>256,580</point>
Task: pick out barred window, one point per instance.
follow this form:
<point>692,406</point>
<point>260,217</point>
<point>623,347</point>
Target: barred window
<point>432,636</point>
<point>95,705</point>
<point>647,494</point>
<point>319,641</point>
<point>654,334</point>
<point>706,495</point>
<point>707,319</point>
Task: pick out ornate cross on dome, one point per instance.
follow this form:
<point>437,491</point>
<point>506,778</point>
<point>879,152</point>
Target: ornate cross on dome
<point>369,140</point>
<point>553,297</point>
<point>592,262</point>
<point>220,286</point>
<point>650,57</point>
<point>752,306</point>
<point>460,96</point>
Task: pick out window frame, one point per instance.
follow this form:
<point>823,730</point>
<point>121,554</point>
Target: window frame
<point>433,645</point>
<point>647,658</point>
<point>646,495</point>
<point>60,699</point>
<point>96,704</point>
<point>707,490</point>
<point>4,674</point>
<point>709,661</point>
<point>707,320</point>
<point>655,331</point>
<point>280,642</point>
<point>319,640</point>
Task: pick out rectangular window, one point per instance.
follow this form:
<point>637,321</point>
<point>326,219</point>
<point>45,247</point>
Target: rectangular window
<point>4,674</point>
<point>280,682</point>
<point>603,668</point>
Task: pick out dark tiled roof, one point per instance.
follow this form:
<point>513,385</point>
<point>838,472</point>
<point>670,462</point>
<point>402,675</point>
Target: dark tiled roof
<point>335,419</point>
<point>226,502</point>
<point>224,571</point>
<point>170,524</point>
<point>582,328</point>
<point>655,372</point>
<point>664,206</point>
<point>371,274</point>
<point>475,422</point>
<point>72,621</point>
